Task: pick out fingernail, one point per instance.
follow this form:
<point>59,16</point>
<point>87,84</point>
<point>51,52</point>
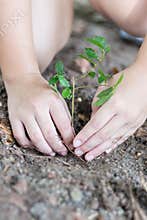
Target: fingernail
<point>78,152</point>
<point>52,154</point>
<point>63,153</point>
<point>89,157</point>
<point>108,150</point>
<point>77,143</point>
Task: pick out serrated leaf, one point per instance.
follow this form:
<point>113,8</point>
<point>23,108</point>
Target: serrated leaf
<point>91,53</point>
<point>100,42</point>
<point>105,95</point>
<point>103,100</point>
<point>102,76</point>
<point>64,82</point>
<point>91,74</point>
<point>66,93</point>
<point>83,56</point>
<point>59,68</point>
<point>53,80</point>
<point>107,49</point>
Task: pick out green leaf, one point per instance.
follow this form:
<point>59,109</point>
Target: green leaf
<point>103,100</point>
<point>91,74</point>
<point>107,49</point>
<point>83,56</point>
<point>59,68</point>
<point>91,53</point>
<point>64,82</point>
<point>102,76</point>
<point>106,92</point>
<point>118,81</point>
<point>105,95</point>
<point>53,80</point>
<point>100,42</point>
<point>66,93</point>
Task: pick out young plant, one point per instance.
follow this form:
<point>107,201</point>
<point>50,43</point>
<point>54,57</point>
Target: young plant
<point>95,57</point>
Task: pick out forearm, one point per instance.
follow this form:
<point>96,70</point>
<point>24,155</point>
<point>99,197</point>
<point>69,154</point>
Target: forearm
<point>17,55</point>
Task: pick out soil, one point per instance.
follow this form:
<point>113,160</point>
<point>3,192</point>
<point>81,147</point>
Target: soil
<point>112,187</point>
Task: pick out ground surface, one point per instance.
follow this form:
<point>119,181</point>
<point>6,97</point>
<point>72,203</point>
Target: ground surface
<point>113,187</point>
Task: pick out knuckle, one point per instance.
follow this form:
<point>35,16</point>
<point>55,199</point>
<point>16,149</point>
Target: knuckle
<point>18,137</point>
<point>102,136</point>
<point>59,148</point>
<point>66,128</point>
<point>119,104</point>
<point>48,135</point>
<point>54,140</point>
<point>35,138</point>
<point>130,117</point>
<point>55,97</point>
<point>94,126</point>
<point>121,108</point>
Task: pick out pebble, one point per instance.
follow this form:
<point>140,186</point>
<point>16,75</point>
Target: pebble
<point>95,204</point>
<point>76,195</point>
<point>1,166</point>
<point>39,211</point>
<point>21,186</point>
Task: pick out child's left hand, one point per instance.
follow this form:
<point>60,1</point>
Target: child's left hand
<point>117,119</point>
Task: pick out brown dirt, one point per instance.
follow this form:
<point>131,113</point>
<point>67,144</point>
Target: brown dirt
<point>113,187</point>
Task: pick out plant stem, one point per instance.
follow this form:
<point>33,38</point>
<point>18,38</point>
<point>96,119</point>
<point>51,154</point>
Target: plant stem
<point>73,100</point>
<point>82,77</point>
<point>84,87</point>
<point>90,87</point>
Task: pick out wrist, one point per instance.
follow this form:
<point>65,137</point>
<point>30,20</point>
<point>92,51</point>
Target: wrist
<point>20,78</point>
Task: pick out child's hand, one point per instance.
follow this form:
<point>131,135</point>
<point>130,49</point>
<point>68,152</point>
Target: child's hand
<point>117,119</point>
<point>37,109</point>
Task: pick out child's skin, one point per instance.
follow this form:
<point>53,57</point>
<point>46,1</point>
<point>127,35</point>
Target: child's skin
<point>28,46</point>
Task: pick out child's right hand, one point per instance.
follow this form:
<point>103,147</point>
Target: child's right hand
<point>34,108</point>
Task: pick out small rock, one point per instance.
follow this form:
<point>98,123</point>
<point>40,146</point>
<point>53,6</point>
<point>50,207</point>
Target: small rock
<point>79,99</point>
<point>76,195</point>
<point>51,175</point>
<point>1,166</point>
<point>95,204</point>
<point>83,65</point>
<point>93,216</point>
<point>39,211</point>
<point>21,186</point>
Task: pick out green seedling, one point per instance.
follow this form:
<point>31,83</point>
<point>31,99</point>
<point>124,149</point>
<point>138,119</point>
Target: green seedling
<point>95,56</point>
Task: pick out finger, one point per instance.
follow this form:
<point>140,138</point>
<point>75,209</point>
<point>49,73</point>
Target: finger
<point>117,139</point>
<point>37,138</point>
<point>62,122</point>
<point>69,115</point>
<point>101,136</point>
<point>49,132</point>
<point>97,151</point>
<point>66,107</point>
<point>19,133</point>
<point>124,133</point>
<point>97,122</point>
